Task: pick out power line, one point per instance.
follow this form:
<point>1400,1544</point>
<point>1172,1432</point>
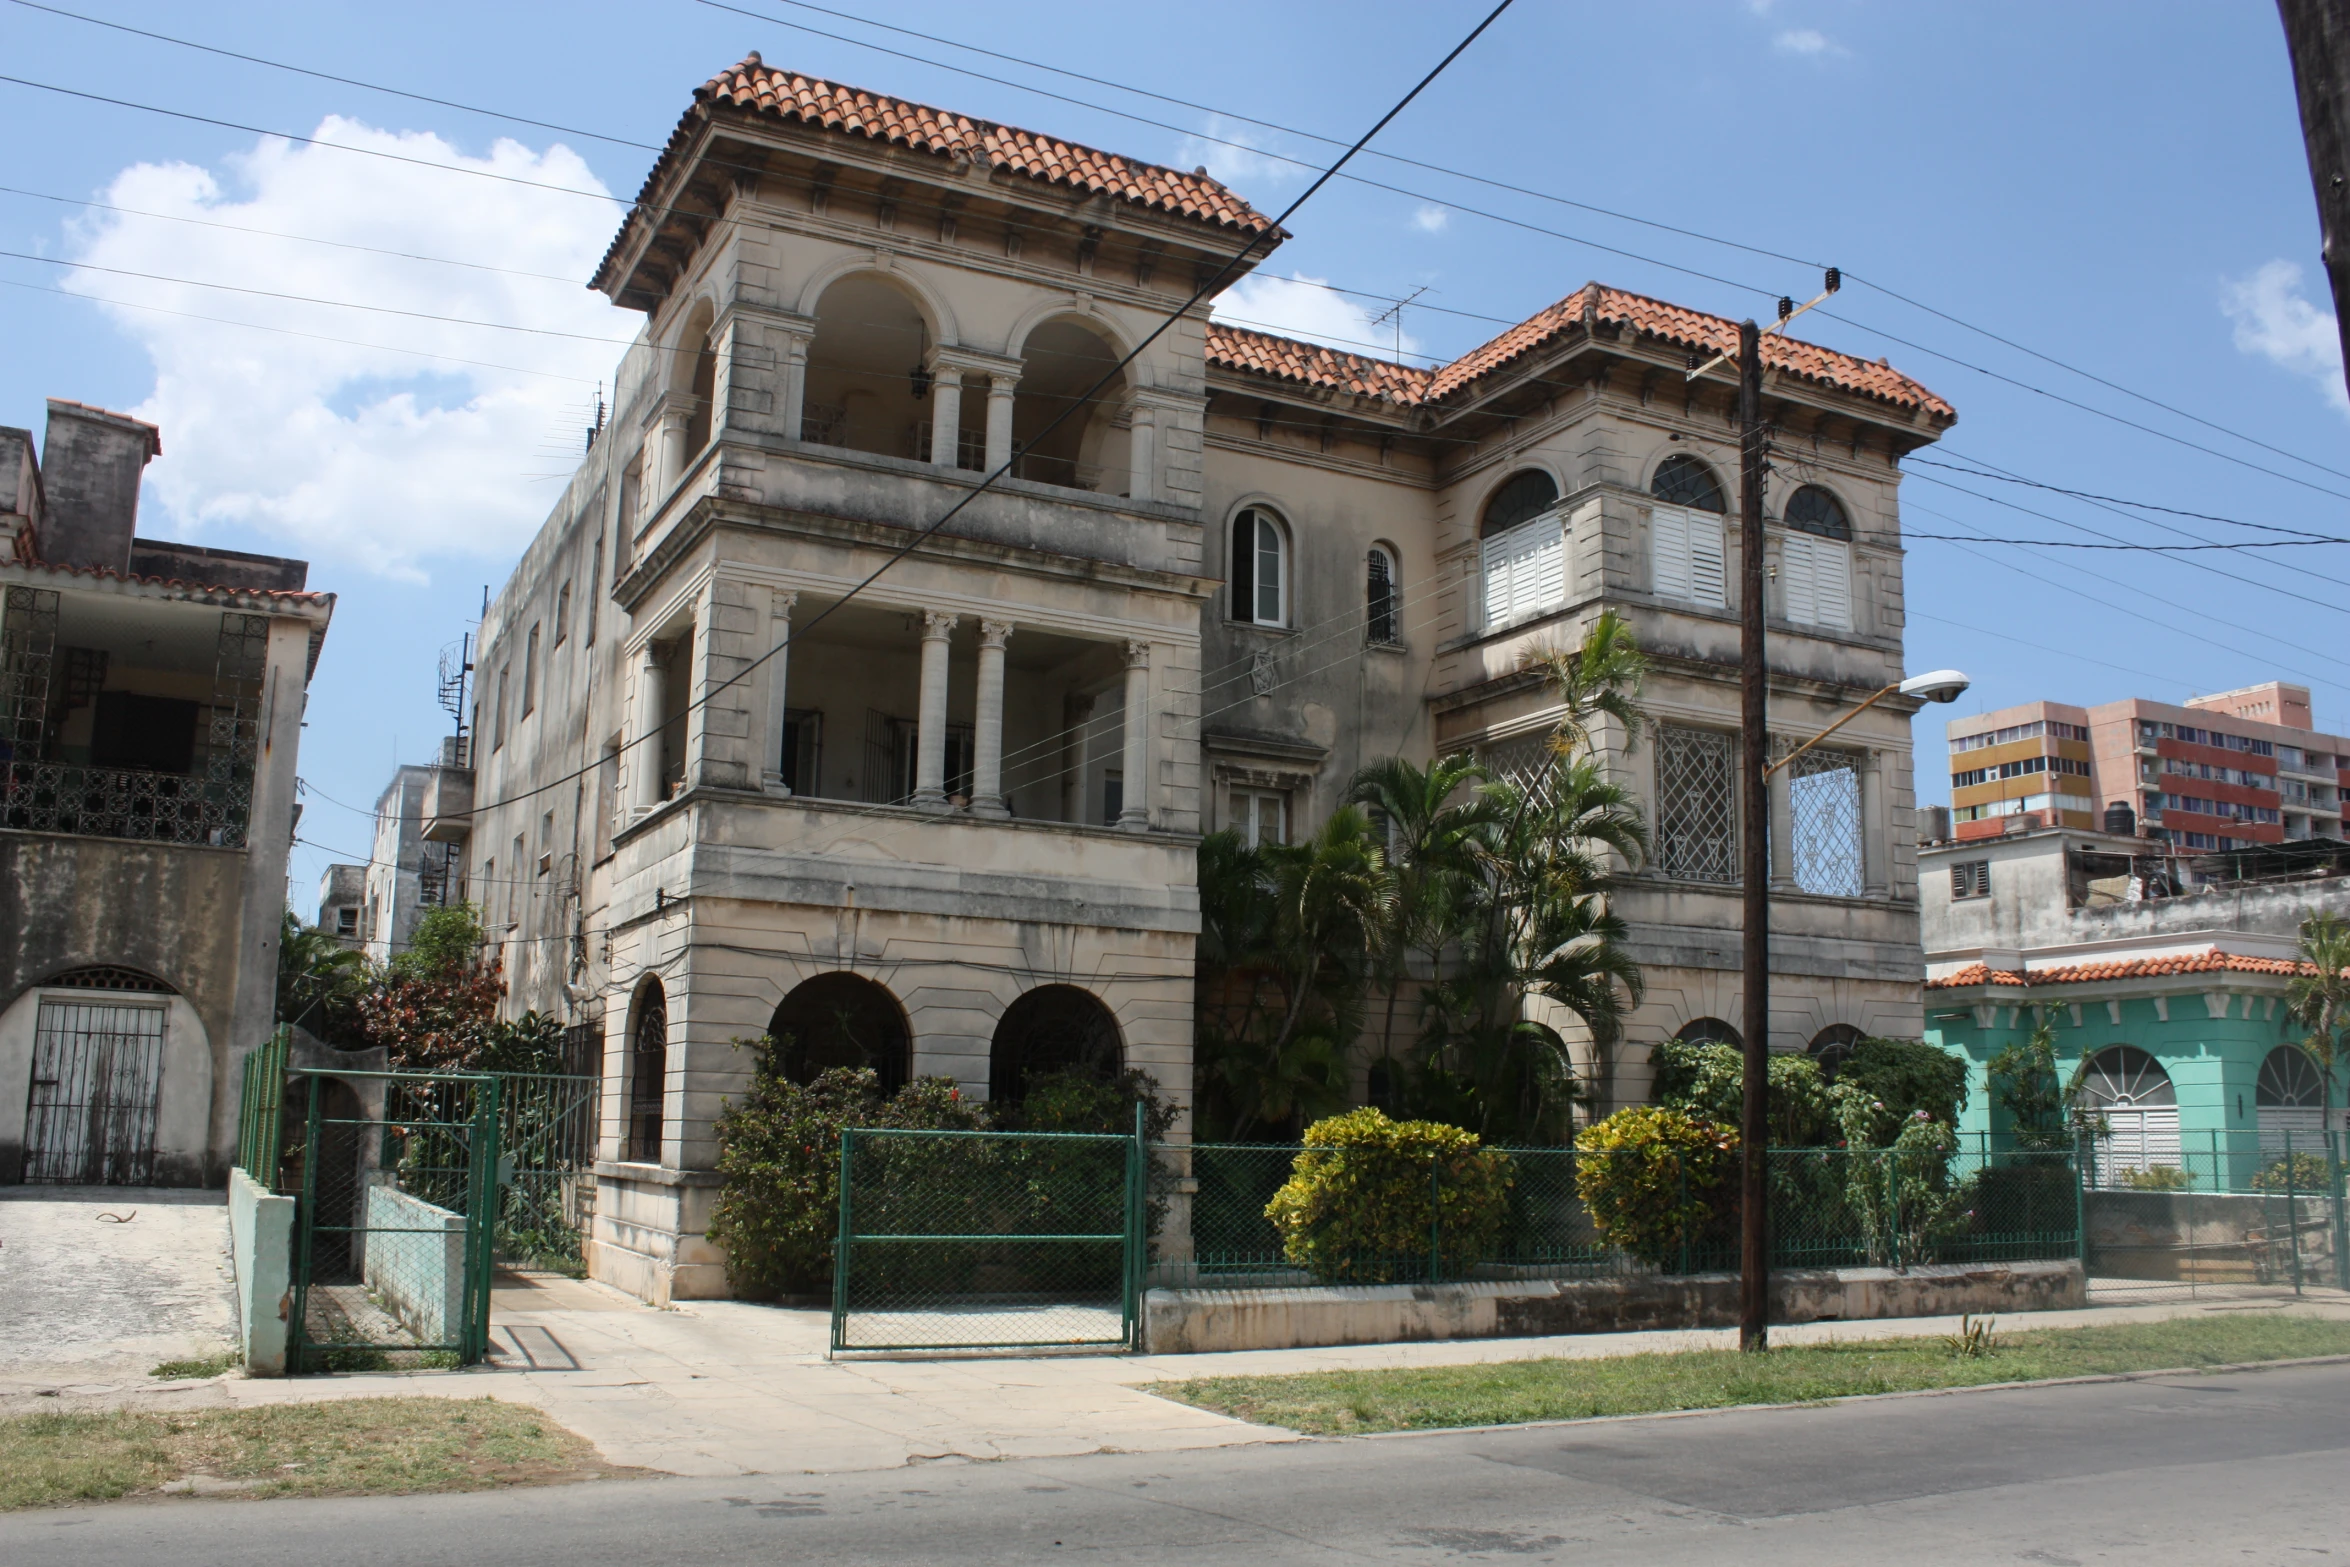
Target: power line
<point>2150,549</point>
<point>2004,477</point>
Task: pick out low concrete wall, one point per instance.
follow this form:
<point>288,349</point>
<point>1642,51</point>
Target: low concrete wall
<point>415,1262</point>
<point>1195,1321</point>
<point>261,1251</point>
<point>2209,1237</point>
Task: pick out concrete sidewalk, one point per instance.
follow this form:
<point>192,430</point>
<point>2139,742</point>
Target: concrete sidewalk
<point>726,1387</point>
<point>99,1284</point>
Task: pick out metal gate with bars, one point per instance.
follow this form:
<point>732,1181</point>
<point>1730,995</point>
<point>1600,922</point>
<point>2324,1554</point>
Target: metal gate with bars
<point>988,1240</point>
<point>397,1179</point>
<point>97,1082</point>
<point>547,1142</point>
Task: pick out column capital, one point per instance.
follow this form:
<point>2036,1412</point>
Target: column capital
<point>1138,655</point>
<point>994,633</point>
<point>938,625</point>
<point>782,601</point>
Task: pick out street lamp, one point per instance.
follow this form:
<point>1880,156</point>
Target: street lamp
<point>1754,1283</point>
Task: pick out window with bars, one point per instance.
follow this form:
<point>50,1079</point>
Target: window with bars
<point>1696,804</point>
<point>1519,759</point>
<point>1824,793</point>
<point>1379,596</point>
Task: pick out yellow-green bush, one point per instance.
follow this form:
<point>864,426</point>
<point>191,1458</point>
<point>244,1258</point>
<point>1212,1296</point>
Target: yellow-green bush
<point>1369,1200</point>
<point>1654,1178</point>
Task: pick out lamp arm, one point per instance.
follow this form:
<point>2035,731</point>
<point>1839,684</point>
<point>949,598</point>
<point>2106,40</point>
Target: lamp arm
<point>1831,729</point>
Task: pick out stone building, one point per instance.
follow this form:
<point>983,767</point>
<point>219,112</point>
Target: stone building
<point>151,699</point>
<point>762,744</point>
<point>342,904</point>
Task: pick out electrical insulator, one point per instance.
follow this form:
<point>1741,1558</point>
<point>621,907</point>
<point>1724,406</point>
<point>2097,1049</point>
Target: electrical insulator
<point>1786,307</point>
<point>1835,279</point>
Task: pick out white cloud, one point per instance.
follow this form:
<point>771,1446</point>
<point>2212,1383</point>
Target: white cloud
<point>1431,219</point>
<point>1230,153</point>
<point>2274,321</point>
<point>362,455</point>
<point>1309,308</point>
<point>1809,42</point>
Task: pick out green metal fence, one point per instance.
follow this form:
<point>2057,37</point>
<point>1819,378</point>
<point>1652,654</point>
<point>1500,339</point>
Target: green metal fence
<point>970,1240</point>
<point>396,1179</point>
<point>2229,1212</point>
<point>261,1108</point>
<point>547,1142</point>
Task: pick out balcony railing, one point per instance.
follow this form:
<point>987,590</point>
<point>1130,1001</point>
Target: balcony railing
<point>110,802</point>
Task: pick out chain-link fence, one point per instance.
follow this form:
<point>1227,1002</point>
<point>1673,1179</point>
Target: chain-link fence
<point>396,1178</point>
<point>2229,1214</point>
<point>987,1239</point>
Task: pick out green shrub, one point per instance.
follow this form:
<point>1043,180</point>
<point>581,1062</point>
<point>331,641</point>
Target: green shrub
<point>2161,1178</point>
<point>1078,1101</point>
<point>1708,1083</point>
<point>778,1208</point>
<point>2301,1173</point>
<point>1368,1197</point>
<point>1906,1076</point>
<point>1655,1178</point>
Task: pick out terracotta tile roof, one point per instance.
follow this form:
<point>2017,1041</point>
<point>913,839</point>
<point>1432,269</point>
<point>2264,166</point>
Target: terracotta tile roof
<point>1287,359</point>
<point>2209,961</point>
<point>1265,354</point>
<point>215,590</point>
<point>756,87</point>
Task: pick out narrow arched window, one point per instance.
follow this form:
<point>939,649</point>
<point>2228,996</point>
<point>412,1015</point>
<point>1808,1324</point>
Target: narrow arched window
<point>648,1077</point>
<point>1381,611</point>
<point>1260,568</point>
<point>1681,480</point>
<point>1685,533</point>
<point>1521,496</point>
<point>1815,561</point>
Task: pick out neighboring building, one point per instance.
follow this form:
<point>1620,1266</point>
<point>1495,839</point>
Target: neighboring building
<point>150,713</point>
<point>407,872</point>
<point>2231,771</point>
<point>2161,969</point>
<point>342,904</point>
<point>951,827</point>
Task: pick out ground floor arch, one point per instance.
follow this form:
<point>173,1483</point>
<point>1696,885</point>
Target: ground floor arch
<point>1052,1029</point>
<point>842,1020</point>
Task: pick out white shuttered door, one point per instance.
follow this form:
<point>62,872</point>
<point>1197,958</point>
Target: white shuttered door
<point>1815,576</point>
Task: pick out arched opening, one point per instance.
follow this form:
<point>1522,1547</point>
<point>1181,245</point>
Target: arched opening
<point>702,384</point>
<point>1087,450</point>
<point>2134,1096</point>
<point>648,1073</point>
<point>94,1096</point>
<point>1813,510</point>
<point>1521,496</point>
<point>1260,568</point>
<point>868,385</point>
<point>2289,1099</point>
<point>1832,1045</point>
<point>1710,1031</point>
<point>1382,596</point>
<point>842,1020</point>
<point>1051,1029</point>
<point>1682,480</point>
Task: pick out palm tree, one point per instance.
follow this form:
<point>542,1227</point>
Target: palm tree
<point>318,981</point>
<point>1430,855</point>
<point>2319,1000</point>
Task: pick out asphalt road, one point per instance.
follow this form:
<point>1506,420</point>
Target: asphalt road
<point>2241,1468</point>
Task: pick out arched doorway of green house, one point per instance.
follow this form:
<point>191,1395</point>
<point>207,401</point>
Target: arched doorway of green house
<point>2289,1100</point>
<point>1052,1029</point>
<point>2135,1097</point>
<point>842,1020</point>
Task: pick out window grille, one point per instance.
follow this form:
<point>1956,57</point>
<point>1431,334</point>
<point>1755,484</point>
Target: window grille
<point>1696,804</point>
<point>1379,597</point>
<point>1518,760</point>
<point>649,1075</point>
<point>824,423</point>
<point>1824,789</point>
<point>108,976</point>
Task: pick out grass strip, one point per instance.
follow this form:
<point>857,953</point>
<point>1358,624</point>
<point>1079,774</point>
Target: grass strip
<point>202,1366</point>
<point>336,1447</point>
<point>1339,1403</point>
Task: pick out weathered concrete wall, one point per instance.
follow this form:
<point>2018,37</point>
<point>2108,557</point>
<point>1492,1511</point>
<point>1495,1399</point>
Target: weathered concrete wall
<point>1198,1321</point>
<point>415,1260</point>
<point>261,1253</point>
<point>2212,1237</point>
<point>91,464</point>
<point>192,563</point>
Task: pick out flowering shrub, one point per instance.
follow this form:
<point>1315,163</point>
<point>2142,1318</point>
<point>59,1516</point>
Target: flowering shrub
<point>2305,1173</point>
<point>1654,1178</point>
<point>1367,1197</point>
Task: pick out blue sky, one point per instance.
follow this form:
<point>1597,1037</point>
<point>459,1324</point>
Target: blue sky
<point>2119,187</point>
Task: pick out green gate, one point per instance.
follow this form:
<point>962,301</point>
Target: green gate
<point>547,1140</point>
<point>988,1240</point>
<point>397,1182</point>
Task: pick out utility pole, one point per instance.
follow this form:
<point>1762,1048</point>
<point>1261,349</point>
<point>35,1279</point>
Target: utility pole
<point>2317,36</point>
<point>1754,804</point>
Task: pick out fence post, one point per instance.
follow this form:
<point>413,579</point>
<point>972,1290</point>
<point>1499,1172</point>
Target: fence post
<point>2081,1209</point>
<point>1893,1206</point>
<point>1436,1218</point>
<point>2334,1207</point>
<point>1680,1205</point>
<point>2293,1209</point>
<point>1137,1221</point>
<point>481,1223</point>
<point>305,1217</point>
<point>840,1247</point>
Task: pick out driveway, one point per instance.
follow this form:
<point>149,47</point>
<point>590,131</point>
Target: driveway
<point>99,1284</point>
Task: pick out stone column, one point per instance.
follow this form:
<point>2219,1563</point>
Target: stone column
<point>1876,835</point>
<point>1783,830</point>
<point>673,452</point>
<point>779,608</point>
<point>651,716</point>
<point>792,366</point>
<point>1142,448</point>
<point>930,734</point>
<point>946,416</point>
<point>1136,817</point>
<point>999,420</point>
<point>987,737</point>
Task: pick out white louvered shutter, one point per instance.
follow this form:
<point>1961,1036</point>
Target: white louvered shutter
<point>1708,583</point>
<point>1668,548</point>
<point>1543,568</point>
<point>1831,579</point>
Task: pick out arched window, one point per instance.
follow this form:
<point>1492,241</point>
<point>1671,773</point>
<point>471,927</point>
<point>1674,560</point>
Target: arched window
<point>2290,1101</point>
<point>1832,1045</point>
<point>1814,510</point>
<point>1382,610</point>
<point>867,382</point>
<point>842,1020</point>
<point>1059,365</point>
<point>648,1074</point>
<point>2134,1096</point>
<point>1520,497</point>
<point>1681,480</point>
<point>1052,1029</point>
<point>702,385</point>
<point>1260,568</point>
<point>1710,1031</point>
